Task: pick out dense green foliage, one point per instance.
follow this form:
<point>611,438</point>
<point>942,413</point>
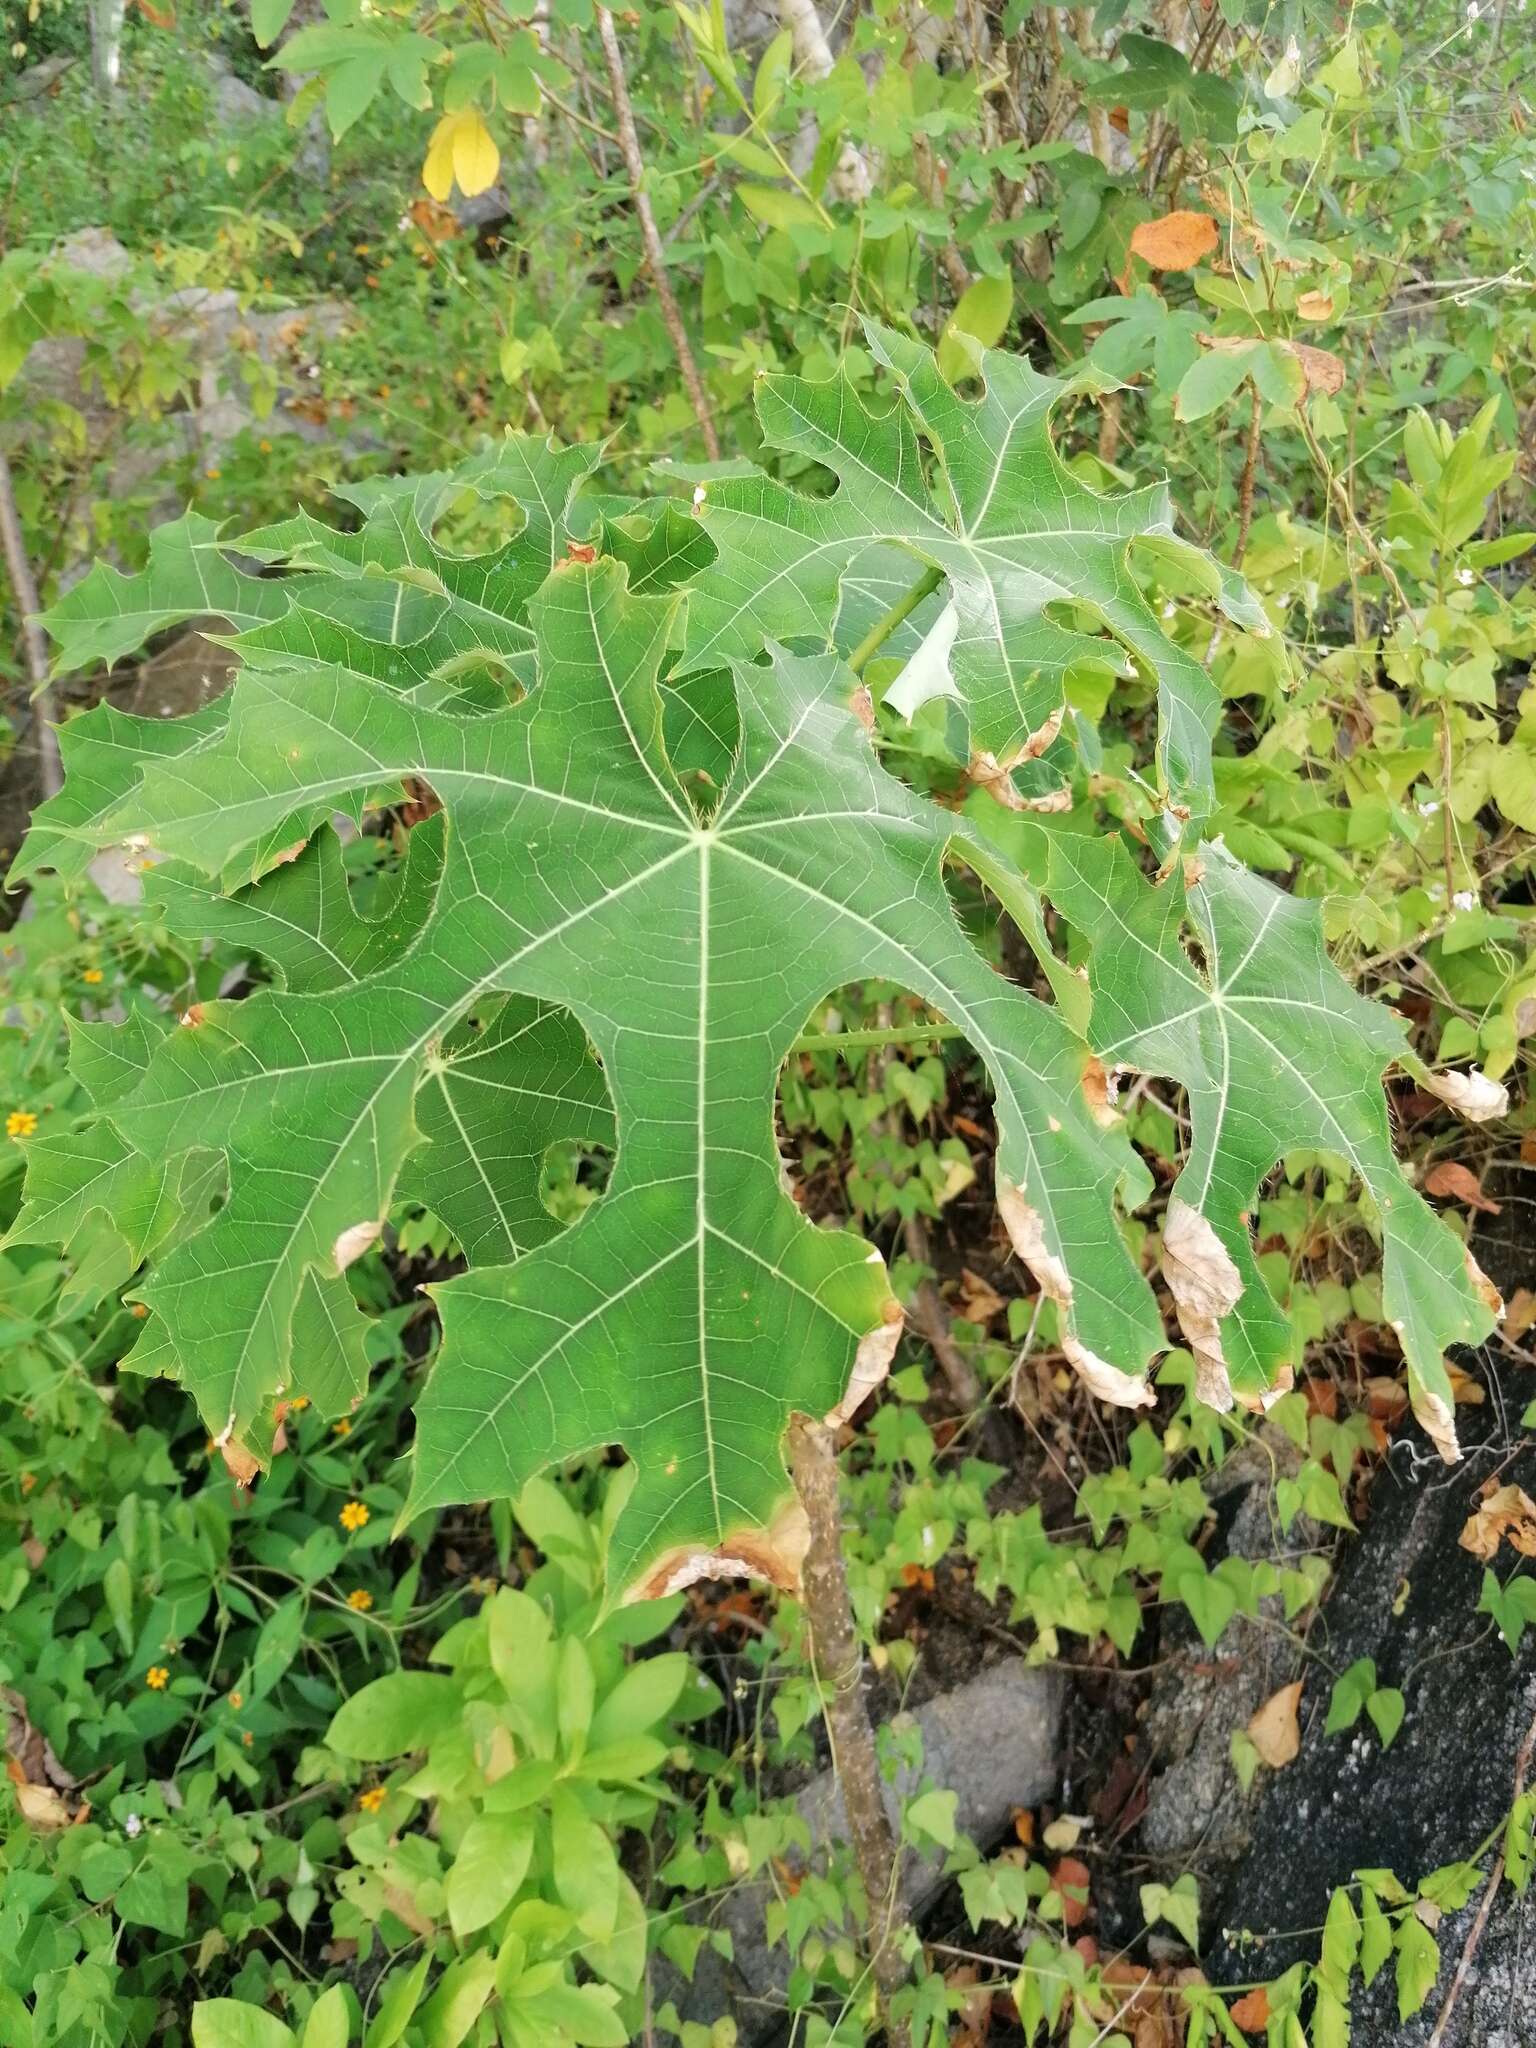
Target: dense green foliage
<point>1112,576</point>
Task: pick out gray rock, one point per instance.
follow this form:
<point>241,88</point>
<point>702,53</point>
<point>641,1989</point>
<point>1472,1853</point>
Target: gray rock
<point>1196,1809</point>
<point>39,79</point>
<point>94,250</point>
<point>993,1742</point>
<point>236,104</point>
<point>1406,1595</point>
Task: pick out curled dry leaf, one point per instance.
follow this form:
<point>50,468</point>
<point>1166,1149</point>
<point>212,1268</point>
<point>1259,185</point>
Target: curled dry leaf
<point>1205,1285</point>
<point>1504,1513</point>
<point>1451,1178</point>
<point>1176,242</point>
<point>1437,1421</point>
<point>871,1364</point>
<point>1314,306</point>
<point>1472,1095</point>
<point>242,1464</point>
<point>1053,801</point>
<point>1026,1233</point>
<point>1522,1313</point>
<point>354,1241</point>
<point>1320,366</point>
<point>1485,1287</point>
<point>979,1301</point>
<point>1274,1730</point>
<point>776,1554</point>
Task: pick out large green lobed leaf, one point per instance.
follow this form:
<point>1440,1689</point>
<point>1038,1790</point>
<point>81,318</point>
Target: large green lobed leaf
<point>649,868</point>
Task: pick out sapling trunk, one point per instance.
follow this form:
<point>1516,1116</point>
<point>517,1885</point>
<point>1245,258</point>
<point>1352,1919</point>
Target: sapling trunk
<point>839,1671</point>
<point>35,642</point>
<point>655,254</point>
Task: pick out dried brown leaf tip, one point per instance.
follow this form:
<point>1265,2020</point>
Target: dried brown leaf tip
<point>1026,1233</point>
<point>1099,1093</point>
<point>354,1241</point>
<point>1206,1286</point>
<point>776,1554</point>
<point>990,774</point>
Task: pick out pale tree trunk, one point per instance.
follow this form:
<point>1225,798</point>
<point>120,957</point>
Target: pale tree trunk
<point>13,549</point>
<point>851,180</point>
<point>107,44</point>
<point>840,1677</point>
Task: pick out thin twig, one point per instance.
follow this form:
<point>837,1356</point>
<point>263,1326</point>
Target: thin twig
<point>839,1674</point>
<point>1485,1907</point>
<point>1250,470</point>
<point>34,639</point>
<point>655,254</point>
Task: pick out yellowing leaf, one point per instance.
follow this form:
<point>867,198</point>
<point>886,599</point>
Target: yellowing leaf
<point>1274,1730</point>
<point>1176,242</point>
<point>461,152</point>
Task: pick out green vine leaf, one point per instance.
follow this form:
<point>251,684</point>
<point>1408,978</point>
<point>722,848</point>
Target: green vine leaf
<point>693,1309</point>
<point>1277,1053</point>
<point>1019,539</point>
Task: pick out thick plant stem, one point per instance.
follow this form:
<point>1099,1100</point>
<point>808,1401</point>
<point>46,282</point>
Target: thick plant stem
<point>839,1669</point>
<point>655,255</point>
<point>902,610</point>
<point>35,641</point>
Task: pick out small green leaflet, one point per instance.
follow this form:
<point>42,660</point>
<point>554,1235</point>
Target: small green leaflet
<point>1277,1054</point>
<point>1019,539</point>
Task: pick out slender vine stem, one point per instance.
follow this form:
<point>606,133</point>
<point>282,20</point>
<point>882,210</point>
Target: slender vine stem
<point>655,254</point>
<point>839,1669</point>
<point>853,1041</point>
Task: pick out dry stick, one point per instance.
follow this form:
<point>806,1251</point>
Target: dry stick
<point>629,143</point>
<point>35,641</point>
<point>928,183</point>
<point>1250,471</point>
<point>1475,1931</point>
<point>932,1318</point>
<point>839,1669</point>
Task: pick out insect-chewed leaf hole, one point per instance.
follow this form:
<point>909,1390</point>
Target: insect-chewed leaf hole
<point>515,1111</point>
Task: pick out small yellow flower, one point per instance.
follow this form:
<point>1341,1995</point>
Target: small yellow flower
<point>28,1481</point>
<point>237,1700</point>
<point>213,475</point>
<point>21,1123</point>
<point>360,1598</point>
<point>298,1404</point>
<point>157,1678</point>
<point>265,447</point>
<point>371,1800</point>
<point>247,1738</point>
<point>342,1428</point>
<point>353,1516</point>
<point>92,975</point>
